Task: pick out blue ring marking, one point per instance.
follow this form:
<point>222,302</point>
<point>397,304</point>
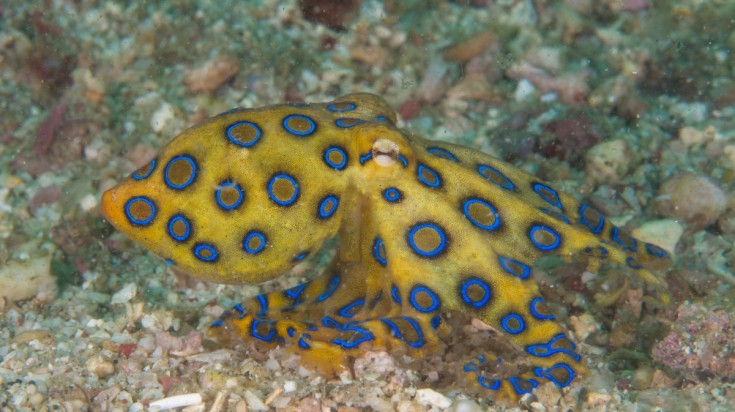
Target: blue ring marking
<point>379,251</point>
<point>436,321</point>
<point>248,237</point>
<point>329,322</point>
<point>403,160</point>
<point>263,300</point>
<point>312,125</point>
<point>505,323</point>
<point>349,344</point>
<point>294,184</point>
<point>544,350</point>
<point>254,330</point>
<point>475,282</point>
<point>218,195</point>
<point>240,309</point>
<point>367,156</point>
<point>615,235</point>
<point>419,342</point>
<point>192,176</point>
<point>555,215</point>
<point>466,211</point>
<point>511,266</point>
<point>345,311</point>
<point>348,122</point>
<point>535,312</point>
<point>516,385</point>
<point>392,195</point>
<point>330,289</point>
<point>200,247</point>
<point>216,323</point>
<point>504,182</point>
<point>548,374</point>
<point>434,182</point>
<point>140,222</point>
<point>541,228</point>
<point>170,262</point>
<point>301,256</point>
<point>430,253</point>
<point>325,211</point>
<point>395,293</point>
<point>492,386</point>
<point>302,341</point>
<point>594,227</point>
<point>296,291</point>
<point>252,142</point>
<point>657,251</point>
<point>633,263</point>
<point>336,166</point>
<point>151,166</point>
<point>434,299</point>
<point>350,107</point>
<point>548,194</point>
<point>290,331</point>
<point>187,225</point>
<point>442,153</point>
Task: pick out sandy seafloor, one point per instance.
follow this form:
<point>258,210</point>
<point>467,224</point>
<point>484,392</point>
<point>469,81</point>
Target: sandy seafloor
<point>628,103</point>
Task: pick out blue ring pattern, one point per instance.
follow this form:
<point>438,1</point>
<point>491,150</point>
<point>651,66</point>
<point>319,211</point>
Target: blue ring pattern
<point>249,237</point>
<point>419,342</point>
<point>350,107</point>
<point>619,237</point>
<point>435,180</point>
<point>548,194</point>
<point>328,206</point>
<point>254,330</point>
<point>513,330</point>
<point>330,289</point>
<point>171,222</point>
<point>218,195</point>
<point>442,153</point>
<point>545,229</point>
<point>251,143</point>
<point>430,253</point>
<point>347,310</point>
<point>301,256</point>
<point>535,312</point>
<point>140,222</point>
<point>506,182</point>
<point>392,195</point>
<point>190,179</point>
<point>594,227</point>
<point>511,266</point>
<point>379,251</point>
<point>348,122</point>
<point>466,211</point>
<point>395,293</point>
<point>300,133</point>
<point>487,292</point>
<point>548,374</point>
<point>335,165</point>
<point>425,309</point>
<point>294,184</point>
<point>544,350</point>
<point>199,248</point>
<point>151,166</point>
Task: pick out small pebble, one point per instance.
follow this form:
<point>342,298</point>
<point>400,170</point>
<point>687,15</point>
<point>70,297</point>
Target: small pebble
<point>433,398</point>
<point>608,162</point>
<point>695,199</point>
<point>100,366</point>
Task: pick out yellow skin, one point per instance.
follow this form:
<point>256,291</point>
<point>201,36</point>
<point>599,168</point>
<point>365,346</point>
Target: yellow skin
<point>425,227</point>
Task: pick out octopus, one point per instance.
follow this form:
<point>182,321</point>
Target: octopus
<point>424,227</point>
